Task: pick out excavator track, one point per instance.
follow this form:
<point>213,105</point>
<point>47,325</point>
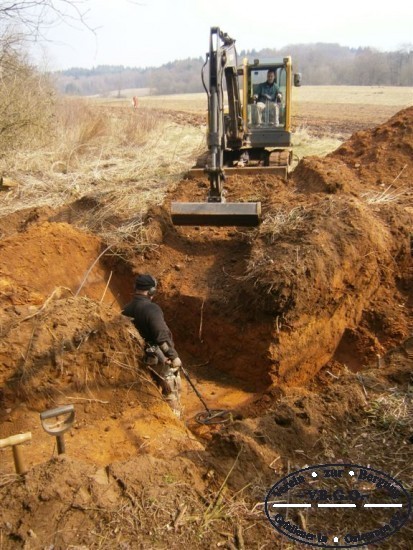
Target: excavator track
<point>280,158</point>
<point>279,162</point>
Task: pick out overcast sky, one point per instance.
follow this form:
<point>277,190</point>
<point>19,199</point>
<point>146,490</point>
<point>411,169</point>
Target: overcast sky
<point>153,32</point>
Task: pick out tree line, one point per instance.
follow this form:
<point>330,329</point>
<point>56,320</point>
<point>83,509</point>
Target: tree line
<point>320,64</point>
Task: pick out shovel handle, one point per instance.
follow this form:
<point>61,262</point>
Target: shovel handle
<point>61,447</point>
<point>15,440</point>
<point>61,426</point>
<point>58,411</point>
<point>19,464</point>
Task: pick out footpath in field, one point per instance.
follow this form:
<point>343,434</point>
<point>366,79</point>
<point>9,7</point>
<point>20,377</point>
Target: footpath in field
<point>301,327</point>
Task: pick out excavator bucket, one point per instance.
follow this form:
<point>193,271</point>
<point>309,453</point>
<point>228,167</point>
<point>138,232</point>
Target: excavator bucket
<point>220,214</point>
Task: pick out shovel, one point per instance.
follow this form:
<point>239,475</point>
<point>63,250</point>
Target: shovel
<point>15,441</point>
<point>56,422</point>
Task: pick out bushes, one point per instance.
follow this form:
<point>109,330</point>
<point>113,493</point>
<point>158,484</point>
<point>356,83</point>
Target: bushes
<point>26,99</point>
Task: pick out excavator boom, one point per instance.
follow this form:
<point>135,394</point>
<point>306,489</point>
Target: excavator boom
<point>215,211</point>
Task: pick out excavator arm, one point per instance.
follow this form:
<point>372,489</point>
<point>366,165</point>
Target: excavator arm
<point>223,130</point>
<point>222,58</point>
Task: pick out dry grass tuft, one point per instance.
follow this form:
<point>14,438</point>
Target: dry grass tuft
<point>388,423</point>
<point>260,266</point>
<point>393,411</point>
<point>281,222</point>
<point>386,196</point>
<point>84,129</point>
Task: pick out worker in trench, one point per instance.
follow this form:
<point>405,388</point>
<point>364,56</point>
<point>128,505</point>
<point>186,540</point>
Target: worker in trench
<point>161,358</point>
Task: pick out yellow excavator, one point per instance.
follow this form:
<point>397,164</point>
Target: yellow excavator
<point>249,134</point>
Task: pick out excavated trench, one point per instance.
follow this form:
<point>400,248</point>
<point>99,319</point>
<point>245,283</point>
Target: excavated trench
<point>46,326</point>
<point>250,308</point>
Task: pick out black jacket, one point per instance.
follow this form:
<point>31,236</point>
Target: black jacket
<point>149,320</point>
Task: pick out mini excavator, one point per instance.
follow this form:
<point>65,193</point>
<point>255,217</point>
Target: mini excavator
<point>238,140</point>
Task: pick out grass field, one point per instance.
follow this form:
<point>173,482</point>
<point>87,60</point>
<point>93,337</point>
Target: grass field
<point>321,120</point>
<point>372,95</point>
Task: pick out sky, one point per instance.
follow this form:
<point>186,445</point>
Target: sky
<point>146,33</point>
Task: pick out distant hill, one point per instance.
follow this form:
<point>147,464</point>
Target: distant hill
<point>320,63</point>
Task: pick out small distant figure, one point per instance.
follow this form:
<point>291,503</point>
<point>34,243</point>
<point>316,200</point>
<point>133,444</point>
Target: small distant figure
<point>135,102</point>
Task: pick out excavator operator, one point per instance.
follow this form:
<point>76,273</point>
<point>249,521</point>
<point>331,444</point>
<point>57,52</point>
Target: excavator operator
<point>268,96</point>
<point>161,358</point>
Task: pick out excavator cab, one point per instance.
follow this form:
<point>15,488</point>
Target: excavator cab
<point>249,136</point>
<point>268,123</point>
<point>271,113</point>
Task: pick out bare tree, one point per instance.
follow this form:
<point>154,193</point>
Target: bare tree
<point>32,17</point>
<point>26,100</point>
<point>26,95</point>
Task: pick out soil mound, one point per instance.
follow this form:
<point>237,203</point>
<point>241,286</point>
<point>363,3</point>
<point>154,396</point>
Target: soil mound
<point>382,156</point>
<point>66,503</point>
<point>325,175</point>
<point>46,256</point>
<point>64,334</point>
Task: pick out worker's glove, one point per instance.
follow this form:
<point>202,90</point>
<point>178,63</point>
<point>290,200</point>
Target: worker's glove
<point>176,363</point>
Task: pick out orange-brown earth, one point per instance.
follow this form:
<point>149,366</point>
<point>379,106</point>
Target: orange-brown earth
<point>299,327</point>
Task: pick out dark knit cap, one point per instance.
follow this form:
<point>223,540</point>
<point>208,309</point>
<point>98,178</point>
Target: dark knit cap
<point>145,282</point>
